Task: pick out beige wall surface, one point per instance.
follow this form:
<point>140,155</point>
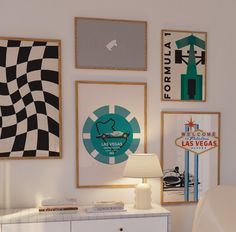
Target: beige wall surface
<point>24,183</point>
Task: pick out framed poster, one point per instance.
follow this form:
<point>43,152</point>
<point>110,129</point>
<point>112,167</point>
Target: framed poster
<point>111,125</point>
<point>183,65</point>
<point>30,98</point>
<point>190,147</point>
<point>110,44</point>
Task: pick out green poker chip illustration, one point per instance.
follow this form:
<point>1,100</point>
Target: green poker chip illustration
<point>109,137</point>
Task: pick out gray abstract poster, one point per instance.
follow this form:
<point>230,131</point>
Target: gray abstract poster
<point>110,44</point>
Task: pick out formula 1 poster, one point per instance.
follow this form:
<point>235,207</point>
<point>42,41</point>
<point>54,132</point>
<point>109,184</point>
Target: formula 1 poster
<point>183,66</point>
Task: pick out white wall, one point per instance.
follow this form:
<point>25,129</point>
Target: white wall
<point>24,183</point>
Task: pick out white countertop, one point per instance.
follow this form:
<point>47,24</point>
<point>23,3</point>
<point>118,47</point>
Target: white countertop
<point>10,216</point>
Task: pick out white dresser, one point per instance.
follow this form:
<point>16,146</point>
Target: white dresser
<point>156,219</point>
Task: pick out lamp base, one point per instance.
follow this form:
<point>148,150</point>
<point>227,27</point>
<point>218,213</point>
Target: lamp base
<point>143,196</point>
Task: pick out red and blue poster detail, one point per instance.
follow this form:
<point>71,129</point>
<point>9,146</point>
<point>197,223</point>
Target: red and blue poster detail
<point>194,142</point>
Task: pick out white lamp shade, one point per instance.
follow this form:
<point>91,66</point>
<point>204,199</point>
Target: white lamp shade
<point>143,166</point>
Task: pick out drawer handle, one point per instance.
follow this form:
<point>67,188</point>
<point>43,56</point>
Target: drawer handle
<point>121,229</point>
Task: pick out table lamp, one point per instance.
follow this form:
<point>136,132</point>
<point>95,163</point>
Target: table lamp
<point>143,166</point>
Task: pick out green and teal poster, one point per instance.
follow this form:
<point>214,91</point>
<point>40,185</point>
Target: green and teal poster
<point>183,65</point>
<point>111,126</point>
<point>111,135</point>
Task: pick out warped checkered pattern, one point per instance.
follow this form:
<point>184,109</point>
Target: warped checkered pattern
<point>29,98</point>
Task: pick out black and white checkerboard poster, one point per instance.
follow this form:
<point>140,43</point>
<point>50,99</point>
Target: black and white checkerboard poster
<point>29,98</point>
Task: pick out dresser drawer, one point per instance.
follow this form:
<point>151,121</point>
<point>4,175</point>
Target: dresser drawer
<point>37,227</point>
<point>149,224</point>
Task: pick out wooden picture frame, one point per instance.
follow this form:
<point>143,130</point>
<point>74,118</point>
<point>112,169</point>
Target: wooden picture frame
<point>30,80</point>
<point>190,155</point>
<point>110,44</point>
<point>110,126</point>
<point>183,65</point>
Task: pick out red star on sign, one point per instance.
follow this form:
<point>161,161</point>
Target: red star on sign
<point>190,123</point>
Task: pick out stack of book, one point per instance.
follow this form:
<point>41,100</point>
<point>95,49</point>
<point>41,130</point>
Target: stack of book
<point>58,205</point>
<point>106,206</point>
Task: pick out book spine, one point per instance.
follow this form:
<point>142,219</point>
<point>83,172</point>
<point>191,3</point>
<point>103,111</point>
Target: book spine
<point>57,209</point>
